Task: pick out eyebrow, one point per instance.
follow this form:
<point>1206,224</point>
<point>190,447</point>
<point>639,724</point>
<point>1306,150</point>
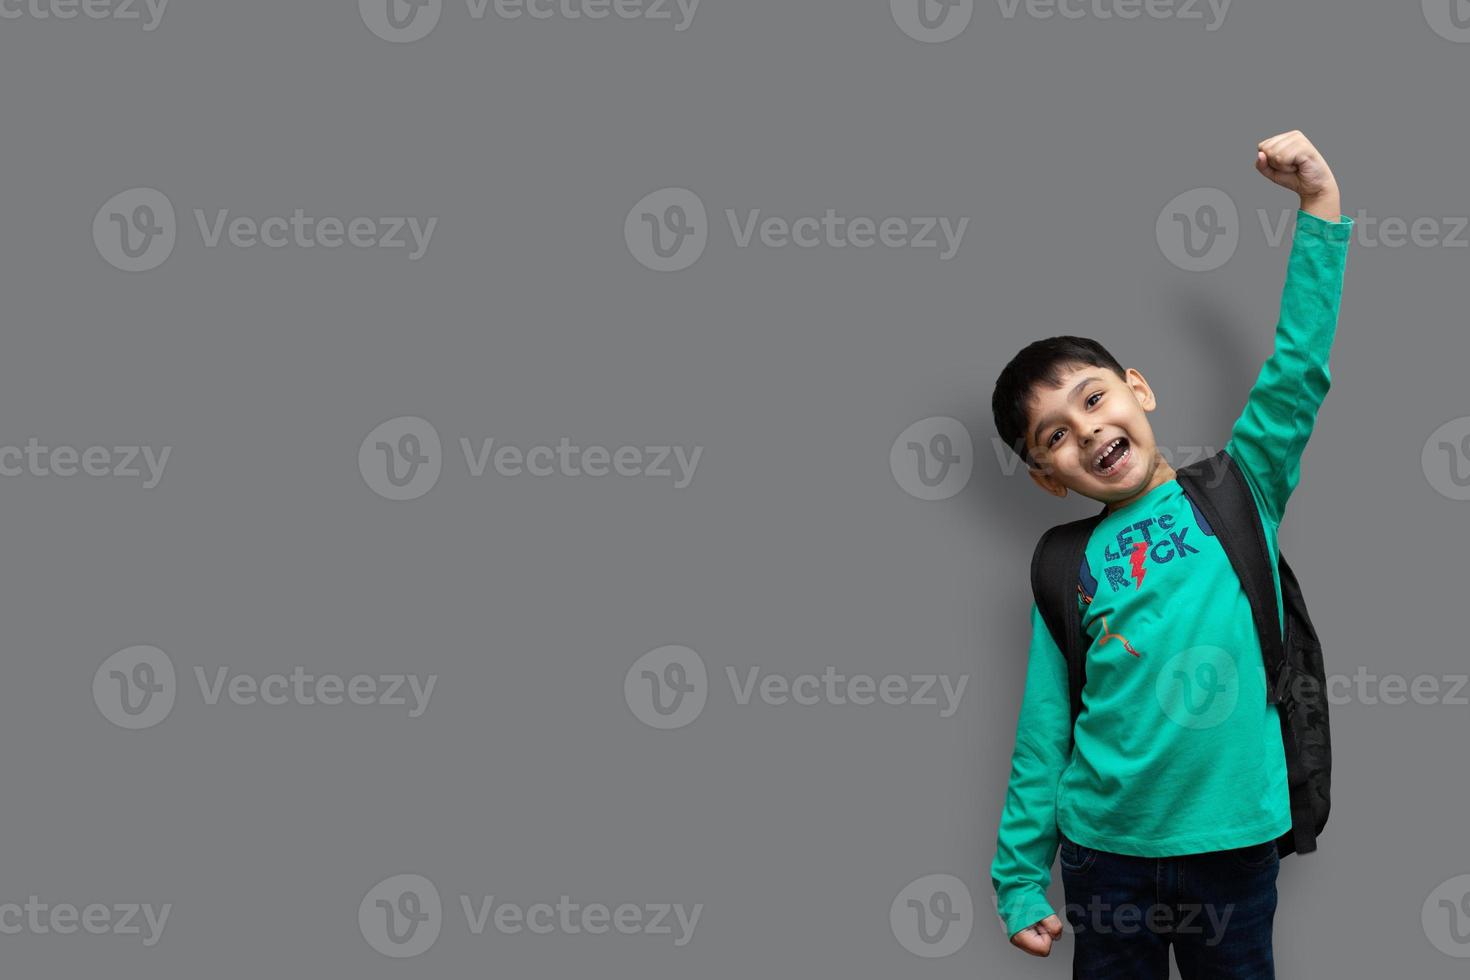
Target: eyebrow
<point>1036,435</point>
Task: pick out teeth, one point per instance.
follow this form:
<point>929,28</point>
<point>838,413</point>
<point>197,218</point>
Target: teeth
<point>1097,460</point>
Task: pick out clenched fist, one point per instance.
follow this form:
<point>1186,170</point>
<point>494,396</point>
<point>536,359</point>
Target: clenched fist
<point>1290,159</point>
<point>1037,938</point>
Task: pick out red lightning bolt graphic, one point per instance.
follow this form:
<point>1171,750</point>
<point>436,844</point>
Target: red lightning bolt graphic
<point>1140,551</point>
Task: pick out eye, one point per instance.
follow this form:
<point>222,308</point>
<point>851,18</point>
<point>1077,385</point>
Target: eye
<point>1096,394</point>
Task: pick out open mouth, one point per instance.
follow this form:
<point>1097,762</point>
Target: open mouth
<point>1112,457</point>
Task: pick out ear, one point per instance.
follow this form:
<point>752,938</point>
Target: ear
<point>1141,390</point>
<point>1044,479</point>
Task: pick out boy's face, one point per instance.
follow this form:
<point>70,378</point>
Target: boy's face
<point>1071,428</point>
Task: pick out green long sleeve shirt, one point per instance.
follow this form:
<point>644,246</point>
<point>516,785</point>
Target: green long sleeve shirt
<point>1176,750</point>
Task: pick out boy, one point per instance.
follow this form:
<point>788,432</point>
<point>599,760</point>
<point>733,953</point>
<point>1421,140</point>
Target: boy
<point>1166,828</point>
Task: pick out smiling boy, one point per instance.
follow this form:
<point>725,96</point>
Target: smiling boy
<point>1166,826</point>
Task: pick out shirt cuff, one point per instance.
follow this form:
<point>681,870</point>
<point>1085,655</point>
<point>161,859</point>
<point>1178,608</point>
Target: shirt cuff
<point>1025,913</point>
<point>1340,230</point>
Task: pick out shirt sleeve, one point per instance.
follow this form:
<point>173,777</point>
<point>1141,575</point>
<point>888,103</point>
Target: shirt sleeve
<point>1268,439</point>
<point>1027,838</point>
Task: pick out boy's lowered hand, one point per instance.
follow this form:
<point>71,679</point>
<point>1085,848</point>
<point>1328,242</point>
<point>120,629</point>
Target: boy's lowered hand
<point>1290,159</point>
<point>1036,939</point>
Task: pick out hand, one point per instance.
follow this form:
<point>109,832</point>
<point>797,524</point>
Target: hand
<point>1036,939</point>
<point>1290,159</point>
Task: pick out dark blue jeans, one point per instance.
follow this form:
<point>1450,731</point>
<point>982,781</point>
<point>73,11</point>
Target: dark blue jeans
<point>1215,909</point>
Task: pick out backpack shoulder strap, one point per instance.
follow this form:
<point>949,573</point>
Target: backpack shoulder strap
<point>1218,487</point>
<point>1055,568</point>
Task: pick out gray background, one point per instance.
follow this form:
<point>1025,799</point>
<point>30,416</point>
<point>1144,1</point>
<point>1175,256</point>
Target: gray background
<point>795,548</point>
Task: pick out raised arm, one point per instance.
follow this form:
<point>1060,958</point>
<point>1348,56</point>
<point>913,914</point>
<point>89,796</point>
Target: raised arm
<point>1269,437</point>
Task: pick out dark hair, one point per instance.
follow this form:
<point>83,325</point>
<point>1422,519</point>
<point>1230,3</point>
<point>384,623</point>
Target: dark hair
<point>1042,362</point>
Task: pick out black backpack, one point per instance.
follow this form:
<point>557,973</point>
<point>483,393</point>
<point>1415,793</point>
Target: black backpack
<point>1294,674</point>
